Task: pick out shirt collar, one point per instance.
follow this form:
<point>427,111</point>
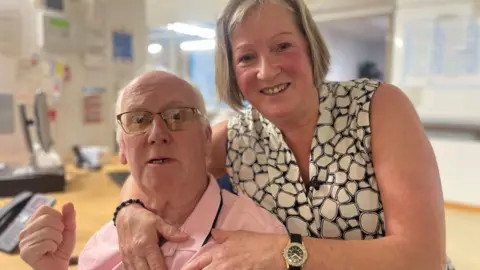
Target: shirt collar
<point>200,221</point>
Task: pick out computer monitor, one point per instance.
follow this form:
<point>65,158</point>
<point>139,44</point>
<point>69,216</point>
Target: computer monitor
<point>56,5</point>
<point>26,123</point>
<point>44,173</point>
<point>42,121</point>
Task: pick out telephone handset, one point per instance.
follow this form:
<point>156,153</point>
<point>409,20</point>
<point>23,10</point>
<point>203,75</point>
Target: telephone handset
<point>15,214</point>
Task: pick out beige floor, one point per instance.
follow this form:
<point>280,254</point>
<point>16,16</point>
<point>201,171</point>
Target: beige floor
<point>95,196</point>
<point>463,239</point>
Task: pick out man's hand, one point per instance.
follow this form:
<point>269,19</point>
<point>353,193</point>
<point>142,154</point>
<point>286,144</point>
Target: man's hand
<point>139,232</point>
<point>48,240</point>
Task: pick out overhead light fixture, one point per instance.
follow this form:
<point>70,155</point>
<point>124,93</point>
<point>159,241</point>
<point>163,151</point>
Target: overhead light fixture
<point>191,30</point>
<point>198,45</point>
<point>398,42</point>
<point>154,48</point>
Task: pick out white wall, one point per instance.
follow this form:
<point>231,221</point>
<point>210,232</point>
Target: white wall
<point>69,127</point>
<point>458,162</point>
<point>336,5</point>
<point>453,104</point>
<point>348,52</point>
<point>161,12</point>
<point>458,158</point>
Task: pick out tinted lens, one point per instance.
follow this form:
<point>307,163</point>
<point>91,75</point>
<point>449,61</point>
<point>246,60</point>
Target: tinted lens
<point>178,119</point>
<point>136,122</point>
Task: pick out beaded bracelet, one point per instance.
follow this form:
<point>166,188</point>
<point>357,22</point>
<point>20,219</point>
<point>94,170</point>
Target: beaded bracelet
<point>122,205</point>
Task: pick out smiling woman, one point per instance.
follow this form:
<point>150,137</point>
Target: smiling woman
<point>330,160</point>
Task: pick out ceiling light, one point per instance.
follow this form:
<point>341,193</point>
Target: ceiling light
<point>192,30</point>
<point>198,45</point>
<point>154,48</point>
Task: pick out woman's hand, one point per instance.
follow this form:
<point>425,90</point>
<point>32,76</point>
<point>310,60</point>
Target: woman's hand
<point>242,250</point>
<point>139,232</point>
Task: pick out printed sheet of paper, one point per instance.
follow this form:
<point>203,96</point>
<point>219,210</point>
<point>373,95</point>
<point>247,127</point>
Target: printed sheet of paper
<point>10,32</point>
<point>8,68</point>
<point>6,114</point>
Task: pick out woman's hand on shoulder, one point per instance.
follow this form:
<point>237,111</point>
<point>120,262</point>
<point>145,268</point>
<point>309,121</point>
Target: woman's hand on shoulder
<point>139,231</point>
<point>407,173</point>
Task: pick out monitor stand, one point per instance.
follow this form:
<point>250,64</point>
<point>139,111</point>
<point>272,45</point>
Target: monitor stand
<point>31,178</point>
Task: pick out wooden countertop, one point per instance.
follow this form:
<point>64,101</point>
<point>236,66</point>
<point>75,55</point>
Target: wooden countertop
<point>95,197</point>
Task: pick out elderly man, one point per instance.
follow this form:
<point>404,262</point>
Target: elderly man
<point>165,139</point>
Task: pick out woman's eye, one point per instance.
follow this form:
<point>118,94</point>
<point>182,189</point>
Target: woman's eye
<point>283,46</point>
<point>245,58</point>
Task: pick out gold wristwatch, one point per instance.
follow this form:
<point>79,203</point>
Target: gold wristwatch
<point>295,253</point>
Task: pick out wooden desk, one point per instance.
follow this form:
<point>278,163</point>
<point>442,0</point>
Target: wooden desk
<point>95,197</point>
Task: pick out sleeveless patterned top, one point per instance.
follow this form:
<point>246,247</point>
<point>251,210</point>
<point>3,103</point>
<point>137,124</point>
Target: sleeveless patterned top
<point>343,200</point>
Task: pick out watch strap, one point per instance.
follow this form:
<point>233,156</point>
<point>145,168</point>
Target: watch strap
<point>295,238</point>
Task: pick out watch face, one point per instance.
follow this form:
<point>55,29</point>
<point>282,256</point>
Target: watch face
<point>295,254</point>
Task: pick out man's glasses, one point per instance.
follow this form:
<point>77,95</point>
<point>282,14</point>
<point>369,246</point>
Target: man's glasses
<point>176,119</point>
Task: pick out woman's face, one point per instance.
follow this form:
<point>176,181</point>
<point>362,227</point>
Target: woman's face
<point>271,61</point>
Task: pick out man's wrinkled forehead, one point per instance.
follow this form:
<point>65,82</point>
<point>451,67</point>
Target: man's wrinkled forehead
<point>167,88</point>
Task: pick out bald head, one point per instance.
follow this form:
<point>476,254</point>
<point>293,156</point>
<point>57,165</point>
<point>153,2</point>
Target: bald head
<point>167,84</point>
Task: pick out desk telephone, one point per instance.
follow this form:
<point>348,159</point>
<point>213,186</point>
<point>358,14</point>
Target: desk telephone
<point>15,214</point>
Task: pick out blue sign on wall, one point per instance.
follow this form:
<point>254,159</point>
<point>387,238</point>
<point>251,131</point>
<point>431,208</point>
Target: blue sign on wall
<point>122,46</point>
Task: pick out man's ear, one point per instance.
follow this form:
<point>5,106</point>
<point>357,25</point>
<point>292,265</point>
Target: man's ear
<point>208,142</point>
<point>123,159</point>
<point>208,133</point>
<point>121,151</point>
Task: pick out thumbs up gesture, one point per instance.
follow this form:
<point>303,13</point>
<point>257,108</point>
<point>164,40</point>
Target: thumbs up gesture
<point>48,240</point>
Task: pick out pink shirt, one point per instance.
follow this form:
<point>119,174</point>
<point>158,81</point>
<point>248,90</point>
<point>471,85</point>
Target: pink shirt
<point>237,213</point>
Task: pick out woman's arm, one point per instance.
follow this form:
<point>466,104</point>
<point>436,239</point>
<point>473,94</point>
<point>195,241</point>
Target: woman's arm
<point>409,181</point>
<point>218,157</point>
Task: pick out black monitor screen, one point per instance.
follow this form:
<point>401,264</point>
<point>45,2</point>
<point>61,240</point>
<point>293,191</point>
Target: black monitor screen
<point>54,4</point>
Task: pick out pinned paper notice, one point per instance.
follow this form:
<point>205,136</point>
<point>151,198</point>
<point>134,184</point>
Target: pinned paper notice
<point>10,32</point>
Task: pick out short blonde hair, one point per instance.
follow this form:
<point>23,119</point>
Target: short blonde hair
<point>232,15</point>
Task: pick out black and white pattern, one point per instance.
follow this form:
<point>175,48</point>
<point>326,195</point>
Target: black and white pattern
<point>343,201</point>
